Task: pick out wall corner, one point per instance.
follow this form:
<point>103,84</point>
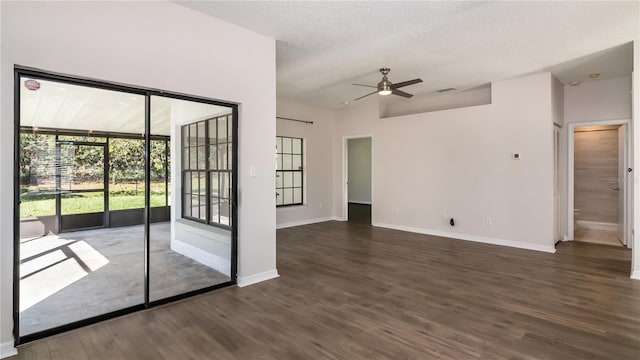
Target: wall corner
<point>7,349</point>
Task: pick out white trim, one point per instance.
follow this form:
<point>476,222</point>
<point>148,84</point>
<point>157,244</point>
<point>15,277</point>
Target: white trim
<point>7,349</point>
<point>557,181</point>
<point>338,218</point>
<point>288,208</point>
<point>203,230</point>
<point>303,222</point>
<point>467,237</point>
<point>359,202</point>
<point>596,225</point>
<point>203,257</point>
<point>633,141</point>
<point>256,278</point>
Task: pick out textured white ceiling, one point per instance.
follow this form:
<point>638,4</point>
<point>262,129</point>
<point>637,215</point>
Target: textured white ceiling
<point>325,46</point>
<point>610,63</point>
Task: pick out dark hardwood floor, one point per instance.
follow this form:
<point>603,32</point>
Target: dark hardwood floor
<point>350,291</point>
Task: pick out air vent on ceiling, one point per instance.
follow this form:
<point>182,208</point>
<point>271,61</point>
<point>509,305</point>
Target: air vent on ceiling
<point>445,90</point>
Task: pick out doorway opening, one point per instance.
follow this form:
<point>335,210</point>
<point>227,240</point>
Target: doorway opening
<point>598,183</point>
<point>358,204</point>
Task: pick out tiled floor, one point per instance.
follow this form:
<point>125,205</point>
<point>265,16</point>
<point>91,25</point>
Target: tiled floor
<point>598,237</point>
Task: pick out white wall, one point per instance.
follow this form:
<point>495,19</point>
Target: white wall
<point>318,173</point>
<point>459,163</point>
<point>154,44</point>
<point>598,100</point>
<point>557,101</point>
<point>558,104</point>
<point>447,100</point>
<point>359,170</point>
<point>6,255</point>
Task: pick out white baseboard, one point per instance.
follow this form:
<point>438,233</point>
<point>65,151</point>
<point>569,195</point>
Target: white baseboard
<point>475,238</point>
<point>635,275</point>
<point>7,349</point>
<point>256,278</point>
<point>204,257</point>
<point>596,225</point>
<point>303,222</point>
<point>338,218</point>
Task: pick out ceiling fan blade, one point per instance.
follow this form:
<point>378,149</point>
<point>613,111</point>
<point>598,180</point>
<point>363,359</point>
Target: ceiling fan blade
<point>405,83</point>
<point>401,93</point>
<point>366,95</point>
<point>371,86</point>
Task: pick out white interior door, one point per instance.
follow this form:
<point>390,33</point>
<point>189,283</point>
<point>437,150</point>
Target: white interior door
<point>622,184</point>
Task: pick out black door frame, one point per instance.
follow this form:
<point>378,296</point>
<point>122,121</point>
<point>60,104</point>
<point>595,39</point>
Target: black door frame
<point>20,72</point>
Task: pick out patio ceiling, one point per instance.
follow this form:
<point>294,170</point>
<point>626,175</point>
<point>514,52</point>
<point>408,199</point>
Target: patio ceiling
<point>71,107</point>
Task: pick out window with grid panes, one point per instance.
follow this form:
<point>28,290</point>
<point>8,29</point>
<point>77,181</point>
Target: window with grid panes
<point>289,167</point>
<point>207,148</point>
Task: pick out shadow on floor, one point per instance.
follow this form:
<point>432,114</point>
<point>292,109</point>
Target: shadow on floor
<point>360,213</point>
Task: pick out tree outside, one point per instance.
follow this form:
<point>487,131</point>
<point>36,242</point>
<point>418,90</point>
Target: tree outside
<point>81,167</point>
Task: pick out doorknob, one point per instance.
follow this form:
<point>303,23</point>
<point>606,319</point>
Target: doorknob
<point>616,188</point>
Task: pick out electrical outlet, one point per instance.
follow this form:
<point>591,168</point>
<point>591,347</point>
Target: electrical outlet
<point>396,211</point>
<point>488,221</point>
<point>320,205</point>
<point>445,216</point>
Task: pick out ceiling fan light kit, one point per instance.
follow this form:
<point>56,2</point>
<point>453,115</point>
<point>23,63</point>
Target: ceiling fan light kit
<point>386,87</point>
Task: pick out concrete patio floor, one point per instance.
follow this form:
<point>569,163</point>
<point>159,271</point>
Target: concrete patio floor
<point>77,275</point>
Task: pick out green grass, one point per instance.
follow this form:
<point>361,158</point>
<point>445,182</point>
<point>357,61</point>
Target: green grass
<point>122,196</point>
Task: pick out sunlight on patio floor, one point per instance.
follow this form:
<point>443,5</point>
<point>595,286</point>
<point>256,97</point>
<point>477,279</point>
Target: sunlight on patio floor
<point>50,263</point>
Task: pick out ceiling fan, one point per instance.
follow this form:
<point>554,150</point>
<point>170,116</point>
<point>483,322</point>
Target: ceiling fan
<point>386,87</point>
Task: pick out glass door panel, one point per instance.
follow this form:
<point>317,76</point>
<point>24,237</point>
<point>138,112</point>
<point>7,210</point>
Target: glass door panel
<point>197,253</point>
<point>69,276</point>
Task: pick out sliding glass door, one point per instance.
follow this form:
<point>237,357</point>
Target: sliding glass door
<point>195,251</point>
<point>125,199</point>
<point>72,265</point>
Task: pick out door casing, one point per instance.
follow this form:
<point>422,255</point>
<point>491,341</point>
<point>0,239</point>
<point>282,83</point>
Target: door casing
<point>570,177</point>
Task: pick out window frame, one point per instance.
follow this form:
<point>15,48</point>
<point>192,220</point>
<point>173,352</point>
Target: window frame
<point>205,175</point>
<point>281,171</point>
